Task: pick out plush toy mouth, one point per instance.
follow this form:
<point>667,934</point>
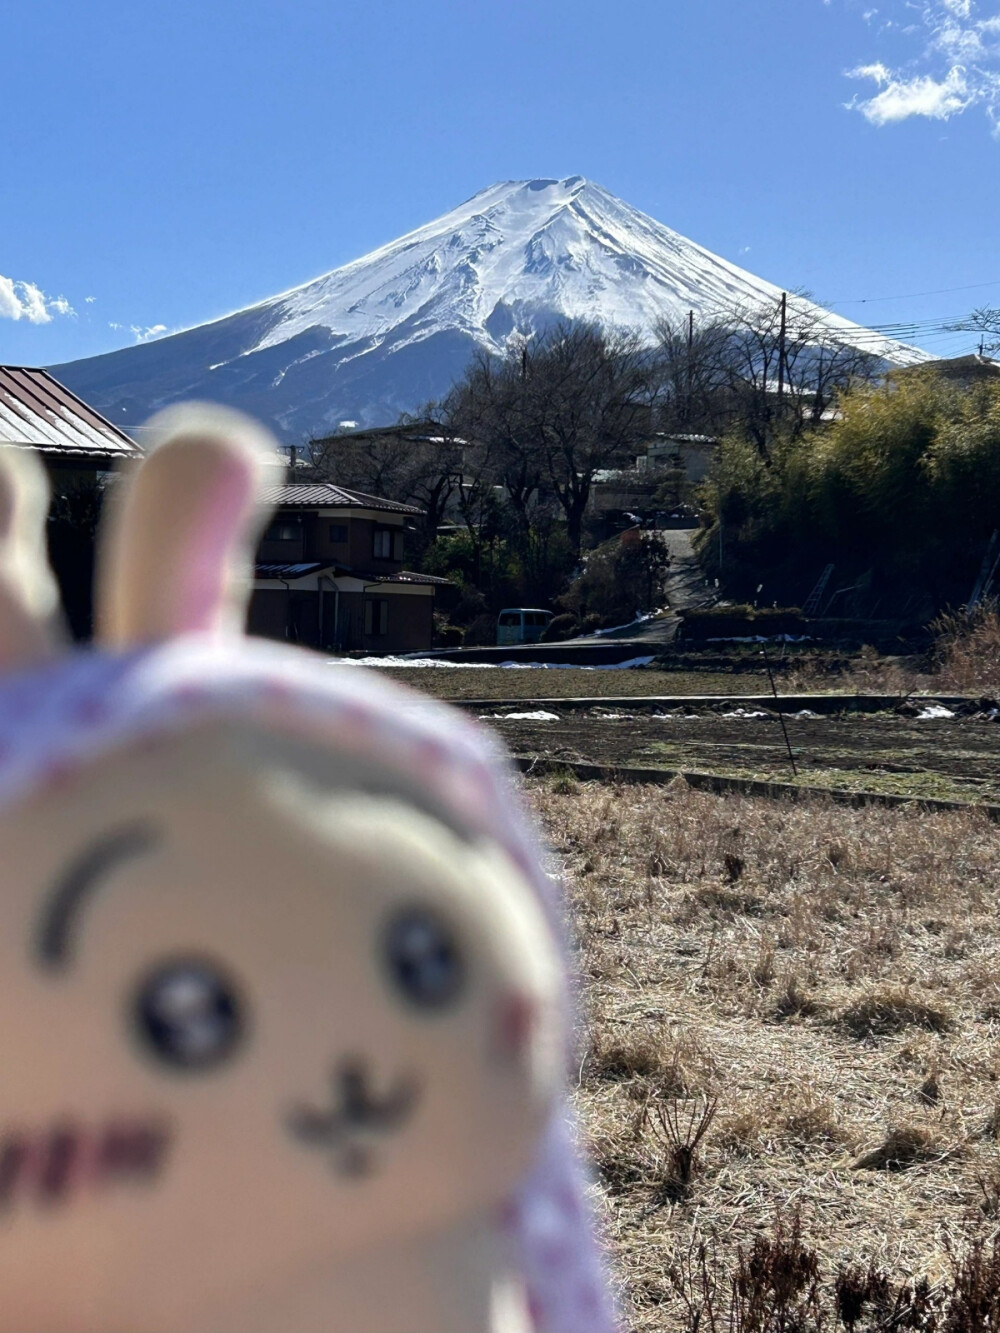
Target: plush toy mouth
<point>359,1115</point>
<point>53,1165</point>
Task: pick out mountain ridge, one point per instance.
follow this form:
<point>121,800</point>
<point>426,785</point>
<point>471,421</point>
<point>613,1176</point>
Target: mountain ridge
<point>393,329</point>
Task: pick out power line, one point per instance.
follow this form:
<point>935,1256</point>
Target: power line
<point>910,296</point>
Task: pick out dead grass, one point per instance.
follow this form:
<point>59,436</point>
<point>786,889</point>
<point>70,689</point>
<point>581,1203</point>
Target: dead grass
<point>572,682</point>
<point>829,977</point>
<point>889,1010</point>
<point>968,650</point>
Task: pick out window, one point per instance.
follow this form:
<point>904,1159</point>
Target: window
<point>382,549</point>
<point>387,544</point>
<point>511,618</point>
<point>283,530</point>
<point>338,532</point>
<point>376,615</point>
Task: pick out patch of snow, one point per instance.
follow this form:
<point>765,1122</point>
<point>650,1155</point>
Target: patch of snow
<point>743,713</point>
<point>396,662</point>
<point>640,616</point>
<point>540,715</point>
<point>764,638</point>
<point>933,711</point>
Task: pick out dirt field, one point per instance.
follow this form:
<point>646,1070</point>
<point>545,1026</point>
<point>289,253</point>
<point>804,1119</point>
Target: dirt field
<point>570,682</point>
<point>832,978</point>
<point>953,759</point>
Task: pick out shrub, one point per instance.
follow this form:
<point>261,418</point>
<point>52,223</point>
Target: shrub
<point>482,633</point>
<point>561,627</point>
<point>740,622</point>
<point>620,577</point>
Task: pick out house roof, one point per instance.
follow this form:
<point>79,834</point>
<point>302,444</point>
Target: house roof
<point>291,572</point>
<point>408,576</point>
<point>37,412</point>
<point>272,570</point>
<point>324,495</point>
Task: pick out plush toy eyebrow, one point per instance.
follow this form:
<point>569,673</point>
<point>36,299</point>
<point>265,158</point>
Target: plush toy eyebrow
<point>53,946</point>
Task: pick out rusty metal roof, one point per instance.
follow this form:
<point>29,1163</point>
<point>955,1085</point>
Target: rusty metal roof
<point>37,412</point>
<point>324,495</point>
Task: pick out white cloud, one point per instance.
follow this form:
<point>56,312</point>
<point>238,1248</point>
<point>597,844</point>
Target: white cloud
<point>25,300</point>
<point>143,335</point>
<point>920,96</point>
<point>957,68</point>
<point>90,299</point>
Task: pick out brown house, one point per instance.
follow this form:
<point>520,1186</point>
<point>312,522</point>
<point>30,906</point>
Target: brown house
<point>74,441</point>
<point>330,574</point>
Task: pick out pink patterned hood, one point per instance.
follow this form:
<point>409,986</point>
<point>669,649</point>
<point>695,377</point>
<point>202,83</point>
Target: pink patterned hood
<point>60,716</point>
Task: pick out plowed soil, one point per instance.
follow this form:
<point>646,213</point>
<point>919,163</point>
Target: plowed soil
<point>948,758</point>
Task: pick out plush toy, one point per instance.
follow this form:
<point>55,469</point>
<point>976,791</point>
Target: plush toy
<point>282,995</point>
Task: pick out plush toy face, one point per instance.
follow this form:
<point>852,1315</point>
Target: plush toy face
<point>251,1020</point>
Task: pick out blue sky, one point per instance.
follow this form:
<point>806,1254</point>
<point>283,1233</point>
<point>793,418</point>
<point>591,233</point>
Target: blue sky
<point>165,164</point>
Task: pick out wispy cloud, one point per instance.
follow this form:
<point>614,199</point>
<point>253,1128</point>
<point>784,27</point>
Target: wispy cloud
<point>957,68</point>
<point>25,300</point>
<point>144,335</point>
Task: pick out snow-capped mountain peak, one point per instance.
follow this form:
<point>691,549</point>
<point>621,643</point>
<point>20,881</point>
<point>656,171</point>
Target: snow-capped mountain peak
<point>393,329</point>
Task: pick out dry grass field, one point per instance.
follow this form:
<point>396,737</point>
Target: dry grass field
<point>571,682</point>
<point>816,991</point>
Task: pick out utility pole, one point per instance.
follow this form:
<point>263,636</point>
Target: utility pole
<point>781,350</point>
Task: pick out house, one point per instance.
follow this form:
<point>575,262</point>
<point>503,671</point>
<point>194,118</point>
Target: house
<point>78,448</point>
<point>329,573</point>
<point>656,490</point>
<point>692,455</point>
<point>75,442</point>
<point>962,370</point>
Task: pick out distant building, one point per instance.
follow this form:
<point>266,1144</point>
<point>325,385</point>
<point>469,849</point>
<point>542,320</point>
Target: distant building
<point>964,370</point>
<point>329,573</point>
<point>692,455</point>
<point>655,490</point>
<point>40,414</point>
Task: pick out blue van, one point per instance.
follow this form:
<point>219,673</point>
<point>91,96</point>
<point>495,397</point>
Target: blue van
<point>521,624</point>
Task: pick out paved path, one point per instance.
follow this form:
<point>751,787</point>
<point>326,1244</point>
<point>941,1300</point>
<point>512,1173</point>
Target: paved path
<point>685,586</point>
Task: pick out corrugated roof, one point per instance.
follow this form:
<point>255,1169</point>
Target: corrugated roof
<point>272,570</point>
<point>408,576</point>
<point>297,571</point>
<point>324,495</point>
<point>37,412</point>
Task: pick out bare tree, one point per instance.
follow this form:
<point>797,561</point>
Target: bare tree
<point>785,365</point>
<point>691,375</point>
<point>985,321</point>
<point>419,464</point>
<point>552,413</point>
<point>760,368</point>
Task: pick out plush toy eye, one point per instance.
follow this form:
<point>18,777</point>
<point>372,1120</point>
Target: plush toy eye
<point>423,958</point>
<point>189,1014</point>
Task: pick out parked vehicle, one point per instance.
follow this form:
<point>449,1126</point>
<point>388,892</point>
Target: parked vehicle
<point>520,624</point>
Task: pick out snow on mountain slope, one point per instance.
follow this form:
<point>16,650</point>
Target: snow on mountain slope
<point>393,329</point>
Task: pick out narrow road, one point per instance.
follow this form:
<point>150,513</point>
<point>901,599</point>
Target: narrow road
<point>685,586</point>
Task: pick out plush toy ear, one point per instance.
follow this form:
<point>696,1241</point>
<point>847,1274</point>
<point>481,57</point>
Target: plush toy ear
<point>178,540</point>
<point>29,598</point>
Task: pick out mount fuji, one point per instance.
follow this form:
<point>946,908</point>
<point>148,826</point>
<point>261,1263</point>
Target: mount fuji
<point>394,329</point>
